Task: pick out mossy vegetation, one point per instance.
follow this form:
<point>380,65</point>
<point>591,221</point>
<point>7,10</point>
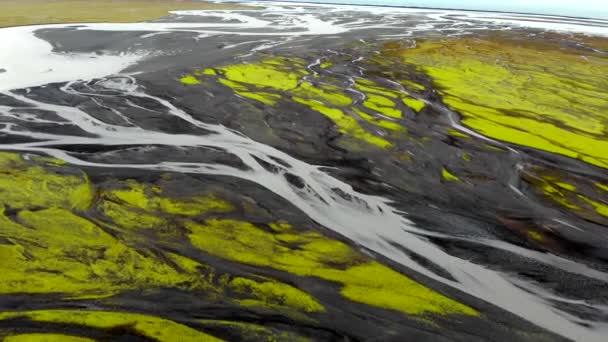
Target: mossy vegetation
<point>273,79</point>
<point>26,184</point>
<point>190,80</point>
<point>253,333</point>
<point>529,93</point>
<point>575,194</point>
<point>152,199</point>
<point>155,328</point>
<point>45,338</point>
<point>32,12</point>
<point>271,293</point>
<point>313,255</point>
<point>121,236</point>
<point>449,176</point>
<point>457,134</point>
<point>602,186</point>
<point>55,251</point>
<point>414,103</point>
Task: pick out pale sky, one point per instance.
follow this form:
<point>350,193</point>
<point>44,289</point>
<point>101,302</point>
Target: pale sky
<point>574,8</point>
<point>586,8</point>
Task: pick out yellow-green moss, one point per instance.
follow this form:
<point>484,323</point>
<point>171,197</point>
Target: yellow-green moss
<point>602,186</point>
<point>347,124</point>
<point>280,226</point>
<point>534,94</point>
<point>208,72</point>
<point>535,236</point>
<point>266,98</point>
<point>274,79</point>
<point>54,251</point>
<point>254,332</point>
<point>45,338</point>
<point>558,195</point>
<point>600,208</point>
<point>329,95</point>
<point>458,134</point>
<point>261,96</point>
<point>267,293</point>
<point>262,75</point>
<point>413,85</point>
<point>276,293</point>
<point>377,285</point>
<point>580,201</point>
<point>326,65</point>
<point>24,185</point>
<point>125,217</point>
<point>189,80</point>
<point>370,87</point>
<point>51,250</point>
<point>567,195</point>
<point>386,124</point>
<point>310,254</point>
<point>448,176</point>
<point>152,327</point>
<point>275,74</point>
<point>382,105</point>
<point>416,104</point>
<point>565,185</point>
<point>150,199</point>
<point>494,148</point>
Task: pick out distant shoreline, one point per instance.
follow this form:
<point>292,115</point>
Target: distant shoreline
<point>600,20</point>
